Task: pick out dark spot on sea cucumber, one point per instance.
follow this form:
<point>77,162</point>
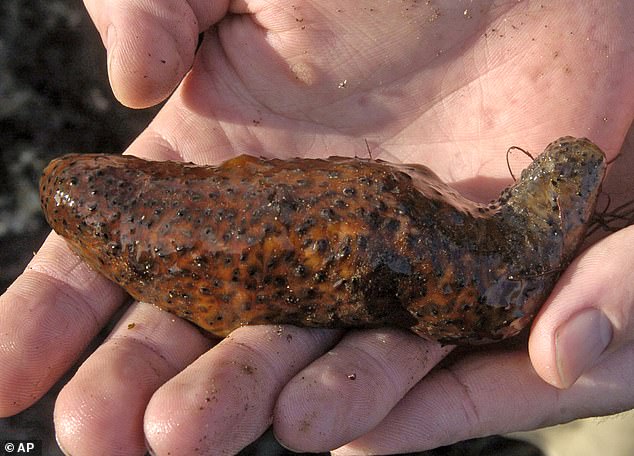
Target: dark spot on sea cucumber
<point>321,245</point>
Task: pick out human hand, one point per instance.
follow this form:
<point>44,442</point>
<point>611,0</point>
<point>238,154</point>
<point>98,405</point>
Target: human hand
<point>422,83</point>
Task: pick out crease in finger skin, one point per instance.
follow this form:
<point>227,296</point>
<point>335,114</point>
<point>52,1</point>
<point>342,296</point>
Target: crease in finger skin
<point>100,411</point>
<point>224,400</point>
<point>47,318</point>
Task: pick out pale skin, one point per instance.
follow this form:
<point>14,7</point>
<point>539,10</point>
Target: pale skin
<point>448,85</point>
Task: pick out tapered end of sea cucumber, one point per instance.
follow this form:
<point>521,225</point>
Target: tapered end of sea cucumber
<point>57,192</point>
<point>81,197</point>
<point>558,191</point>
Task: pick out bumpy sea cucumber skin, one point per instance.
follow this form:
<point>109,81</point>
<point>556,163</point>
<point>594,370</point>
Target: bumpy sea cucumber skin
<point>340,242</point>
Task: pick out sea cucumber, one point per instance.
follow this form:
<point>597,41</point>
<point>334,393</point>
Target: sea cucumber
<point>337,242</point>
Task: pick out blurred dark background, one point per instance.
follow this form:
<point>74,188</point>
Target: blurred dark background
<point>55,99</point>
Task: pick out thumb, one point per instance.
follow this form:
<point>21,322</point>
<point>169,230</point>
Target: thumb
<point>590,312</point>
<point>150,45</point>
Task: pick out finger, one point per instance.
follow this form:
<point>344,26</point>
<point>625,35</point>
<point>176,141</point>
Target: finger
<point>150,45</point>
<point>590,312</point>
<point>100,411</point>
<point>494,393</point>
<point>225,400</point>
<point>47,317</point>
<point>348,391</point>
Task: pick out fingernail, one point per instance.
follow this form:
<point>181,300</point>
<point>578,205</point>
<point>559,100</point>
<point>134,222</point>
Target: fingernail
<point>111,44</point>
<point>580,342</point>
<point>111,37</point>
<point>61,448</point>
<point>111,40</point>
<point>149,449</point>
